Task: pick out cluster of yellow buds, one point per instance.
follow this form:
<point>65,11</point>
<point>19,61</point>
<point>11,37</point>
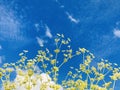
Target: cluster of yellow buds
<point>42,72</point>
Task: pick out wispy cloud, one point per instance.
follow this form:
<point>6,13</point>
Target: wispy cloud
<point>2,58</point>
<point>71,18</point>
<point>0,47</point>
<point>116,32</point>
<point>48,32</point>
<point>37,26</point>
<point>40,41</point>
<point>10,25</point>
<point>61,6</point>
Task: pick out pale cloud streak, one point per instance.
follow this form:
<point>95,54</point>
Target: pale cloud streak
<point>0,47</point>
<point>71,18</point>
<point>48,32</point>
<point>37,26</point>
<point>2,58</point>
<point>40,41</point>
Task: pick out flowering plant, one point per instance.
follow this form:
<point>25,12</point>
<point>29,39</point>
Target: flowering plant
<point>42,72</point>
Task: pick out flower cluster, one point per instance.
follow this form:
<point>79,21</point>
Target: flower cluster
<point>42,72</point>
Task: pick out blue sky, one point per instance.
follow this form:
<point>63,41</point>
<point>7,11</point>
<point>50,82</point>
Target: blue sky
<point>27,24</point>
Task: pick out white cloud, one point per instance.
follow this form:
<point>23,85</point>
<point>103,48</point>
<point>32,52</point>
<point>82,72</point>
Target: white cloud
<point>116,32</point>
<point>72,19</point>
<point>40,41</point>
<point>48,32</point>
<point>43,78</point>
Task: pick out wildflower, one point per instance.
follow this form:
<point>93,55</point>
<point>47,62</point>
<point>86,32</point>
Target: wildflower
<point>30,72</point>
<point>57,40</point>
<point>65,60</point>
<point>57,51</point>
<point>55,69</point>
<point>53,61</point>
<point>107,85</point>
<point>77,53</point>
<point>69,73</point>
<point>101,65</point>
<point>30,64</point>
<point>20,72</point>
<point>9,70</point>
<point>44,66</point>
<point>82,50</point>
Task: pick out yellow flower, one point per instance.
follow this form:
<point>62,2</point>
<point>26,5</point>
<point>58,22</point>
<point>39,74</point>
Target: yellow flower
<point>30,72</point>
<point>57,50</point>
<point>9,69</point>
<point>53,61</point>
<point>34,82</point>
<point>69,73</point>
<point>78,53</point>
<point>107,85</point>
<point>20,72</point>
<point>28,87</point>
<point>55,69</point>
<point>65,60</point>
<point>30,64</point>
<point>82,50</point>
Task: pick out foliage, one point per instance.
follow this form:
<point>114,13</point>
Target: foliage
<point>29,72</point>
